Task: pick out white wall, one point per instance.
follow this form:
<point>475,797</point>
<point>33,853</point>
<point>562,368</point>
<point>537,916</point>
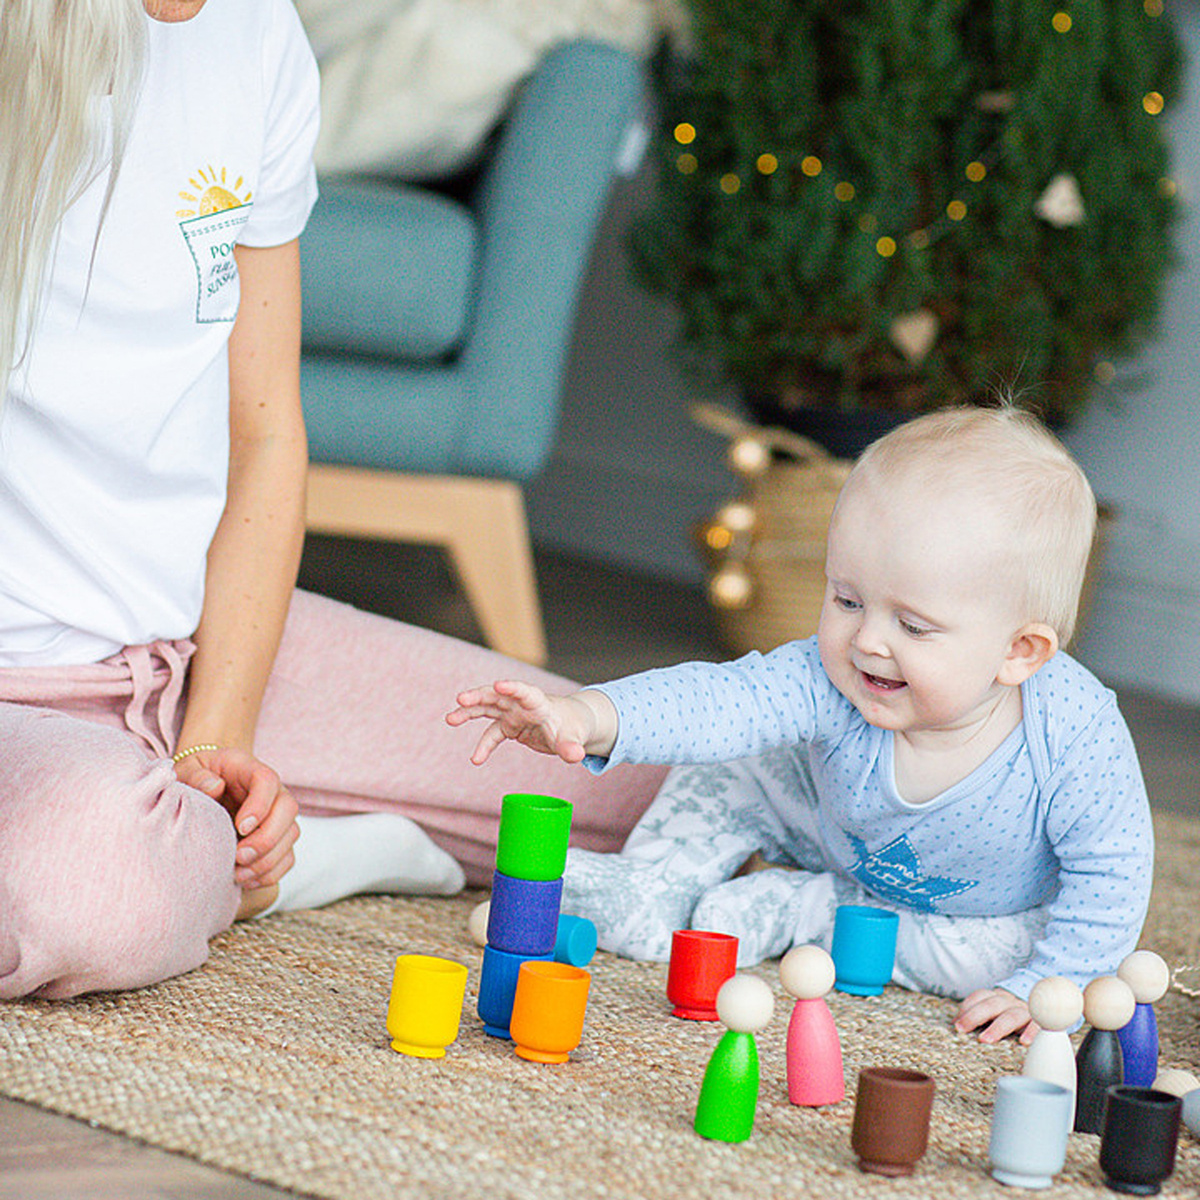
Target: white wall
<point>1144,456</point>
<point>631,474</point>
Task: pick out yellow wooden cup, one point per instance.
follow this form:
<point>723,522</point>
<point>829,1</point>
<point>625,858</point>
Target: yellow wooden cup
<point>548,1010</point>
<point>426,1004</point>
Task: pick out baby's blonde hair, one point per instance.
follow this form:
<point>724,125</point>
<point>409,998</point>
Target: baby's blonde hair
<point>1005,457</point>
<point>59,60</point>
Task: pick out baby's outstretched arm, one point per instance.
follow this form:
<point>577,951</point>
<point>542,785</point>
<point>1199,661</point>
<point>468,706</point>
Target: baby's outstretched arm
<point>1000,1012</point>
<point>569,726</point>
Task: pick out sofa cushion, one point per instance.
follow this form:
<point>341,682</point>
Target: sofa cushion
<point>388,270</point>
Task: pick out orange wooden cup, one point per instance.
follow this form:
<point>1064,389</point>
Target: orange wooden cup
<point>548,1010</point>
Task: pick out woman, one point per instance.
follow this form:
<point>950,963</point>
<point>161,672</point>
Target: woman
<point>158,673</point>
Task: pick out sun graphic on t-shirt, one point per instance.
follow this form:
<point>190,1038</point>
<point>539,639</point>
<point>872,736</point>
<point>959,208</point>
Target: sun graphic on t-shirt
<point>211,195</point>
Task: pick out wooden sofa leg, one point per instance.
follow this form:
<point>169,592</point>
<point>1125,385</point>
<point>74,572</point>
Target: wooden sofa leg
<point>481,522</point>
<point>491,552</point>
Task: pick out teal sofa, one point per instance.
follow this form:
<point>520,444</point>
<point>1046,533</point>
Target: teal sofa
<point>437,323</point>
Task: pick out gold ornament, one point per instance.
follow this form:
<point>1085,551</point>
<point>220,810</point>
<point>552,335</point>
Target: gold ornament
<point>731,587</point>
<point>749,455</point>
<point>1061,204</point>
<point>716,537</point>
<point>914,333</point>
<point>995,103</point>
<point>737,516</point>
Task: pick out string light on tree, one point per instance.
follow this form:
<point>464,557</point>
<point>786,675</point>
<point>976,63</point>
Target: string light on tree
<point>1060,204</point>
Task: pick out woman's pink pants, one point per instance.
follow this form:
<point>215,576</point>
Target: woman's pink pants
<point>115,875</point>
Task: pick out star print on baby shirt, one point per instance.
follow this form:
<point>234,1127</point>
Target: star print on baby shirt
<point>895,873</point>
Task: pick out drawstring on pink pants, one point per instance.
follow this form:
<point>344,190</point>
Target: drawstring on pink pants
<point>146,667</point>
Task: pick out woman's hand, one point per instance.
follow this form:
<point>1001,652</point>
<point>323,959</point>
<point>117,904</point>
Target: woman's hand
<point>263,811</point>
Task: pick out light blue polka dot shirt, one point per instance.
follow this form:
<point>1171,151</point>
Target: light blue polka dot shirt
<point>1056,816</point>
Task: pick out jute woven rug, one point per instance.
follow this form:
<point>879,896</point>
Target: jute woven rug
<point>273,1061</point>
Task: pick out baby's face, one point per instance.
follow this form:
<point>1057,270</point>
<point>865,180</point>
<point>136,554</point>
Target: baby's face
<point>919,608</point>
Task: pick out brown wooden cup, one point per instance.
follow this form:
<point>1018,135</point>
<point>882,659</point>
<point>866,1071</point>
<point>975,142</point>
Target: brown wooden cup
<point>891,1119</point>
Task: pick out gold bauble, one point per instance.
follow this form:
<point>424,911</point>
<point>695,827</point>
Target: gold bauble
<point>749,455</point>
<point>737,516</point>
<point>731,587</point>
<point>716,536</point>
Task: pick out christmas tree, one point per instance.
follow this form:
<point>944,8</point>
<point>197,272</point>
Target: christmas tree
<point>910,203</point>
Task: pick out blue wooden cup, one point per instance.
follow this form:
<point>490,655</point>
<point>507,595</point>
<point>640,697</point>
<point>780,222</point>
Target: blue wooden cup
<point>523,917</point>
<point>576,942</point>
<point>498,987</point>
<point>864,948</point>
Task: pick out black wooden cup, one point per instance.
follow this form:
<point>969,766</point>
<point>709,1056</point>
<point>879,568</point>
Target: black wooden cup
<point>1138,1139</point>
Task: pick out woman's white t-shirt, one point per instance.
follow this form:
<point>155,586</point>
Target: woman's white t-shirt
<point>114,435</point>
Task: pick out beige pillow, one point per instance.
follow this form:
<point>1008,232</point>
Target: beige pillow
<point>413,87</point>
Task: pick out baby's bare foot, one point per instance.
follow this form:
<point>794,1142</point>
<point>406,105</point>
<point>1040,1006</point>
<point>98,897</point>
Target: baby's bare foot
<point>255,901</point>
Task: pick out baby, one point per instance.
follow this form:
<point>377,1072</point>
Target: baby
<point>931,750</point>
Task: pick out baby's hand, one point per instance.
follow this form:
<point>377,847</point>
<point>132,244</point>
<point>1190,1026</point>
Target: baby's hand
<point>1000,1012</point>
<point>560,725</point>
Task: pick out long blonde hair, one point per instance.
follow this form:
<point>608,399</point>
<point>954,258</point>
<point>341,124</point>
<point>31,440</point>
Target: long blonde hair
<point>56,58</point>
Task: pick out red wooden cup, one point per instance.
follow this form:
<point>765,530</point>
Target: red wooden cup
<point>700,962</point>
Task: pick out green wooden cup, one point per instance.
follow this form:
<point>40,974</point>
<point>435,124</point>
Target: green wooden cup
<point>533,836</point>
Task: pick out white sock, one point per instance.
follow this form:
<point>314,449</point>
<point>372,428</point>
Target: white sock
<point>369,853</point>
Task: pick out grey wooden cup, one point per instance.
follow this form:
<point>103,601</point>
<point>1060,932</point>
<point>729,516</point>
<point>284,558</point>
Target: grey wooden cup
<point>1030,1123</point>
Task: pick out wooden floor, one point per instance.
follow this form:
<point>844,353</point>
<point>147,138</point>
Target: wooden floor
<point>599,623</point>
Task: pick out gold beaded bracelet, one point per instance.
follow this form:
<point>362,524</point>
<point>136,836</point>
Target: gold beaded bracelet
<point>178,758</point>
